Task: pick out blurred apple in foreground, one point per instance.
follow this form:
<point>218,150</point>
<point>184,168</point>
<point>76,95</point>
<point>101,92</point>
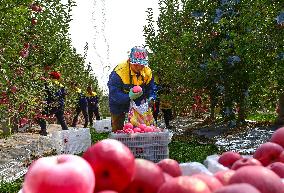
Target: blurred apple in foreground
<point>245,162</point>
<point>224,176</point>
<point>113,164</point>
<point>147,179</point>
<point>59,174</point>
<point>184,184</point>
<point>268,152</point>
<point>238,188</point>
<point>265,180</point>
<point>228,158</point>
<point>278,136</point>
<point>212,182</point>
<point>278,168</point>
<point>170,166</point>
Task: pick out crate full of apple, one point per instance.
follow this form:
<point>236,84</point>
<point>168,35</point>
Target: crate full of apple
<point>147,142</point>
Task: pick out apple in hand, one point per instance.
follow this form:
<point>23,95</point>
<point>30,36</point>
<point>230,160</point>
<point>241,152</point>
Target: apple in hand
<point>59,174</point>
<point>212,182</point>
<point>278,136</point>
<point>112,163</point>
<point>245,162</point>
<point>147,179</point>
<point>265,180</point>
<point>238,188</point>
<point>267,153</point>
<point>278,168</point>
<point>184,184</point>
<point>137,89</point>
<point>228,158</point>
<point>170,166</point>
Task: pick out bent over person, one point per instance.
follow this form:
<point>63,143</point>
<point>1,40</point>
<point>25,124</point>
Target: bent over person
<point>55,97</point>
<point>126,75</point>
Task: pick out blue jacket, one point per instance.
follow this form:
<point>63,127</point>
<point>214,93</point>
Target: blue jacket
<point>121,80</point>
<point>93,101</point>
<point>55,96</point>
<point>81,99</point>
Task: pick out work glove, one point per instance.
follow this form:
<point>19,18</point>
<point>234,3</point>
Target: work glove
<point>133,95</point>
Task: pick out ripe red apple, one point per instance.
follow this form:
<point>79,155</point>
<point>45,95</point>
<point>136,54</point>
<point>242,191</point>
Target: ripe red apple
<point>147,179</point>
<point>137,89</point>
<point>167,176</point>
<point>128,126</point>
<point>228,158</point>
<point>281,157</point>
<point>212,182</point>
<point>24,53</point>
<point>34,21</point>
<point>14,89</point>
<point>238,188</point>
<point>59,174</point>
<point>278,136</point>
<point>268,153</point>
<point>26,45</point>
<point>137,130</point>
<point>184,184</point>
<point>265,180</point>
<point>245,162</point>
<point>142,127</point>
<point>224,176</point>
<point>113,164</point>
<point>170,166</point>
<point>278,168</point>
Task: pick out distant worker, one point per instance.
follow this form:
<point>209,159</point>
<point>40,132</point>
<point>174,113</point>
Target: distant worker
<point>93,105</point>
<point>81,106</point>
<point>55,97</point>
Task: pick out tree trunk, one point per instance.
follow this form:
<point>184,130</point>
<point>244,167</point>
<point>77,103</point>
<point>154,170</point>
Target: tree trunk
<point>280,118</point>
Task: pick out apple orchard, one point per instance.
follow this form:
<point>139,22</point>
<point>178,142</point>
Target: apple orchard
<point>34,40</point>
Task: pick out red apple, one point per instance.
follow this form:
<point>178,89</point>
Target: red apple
<point>228,158</point>
<point>137,130</point>
<point>24,53</point>
<point>107,191</point>
<point>265,180</point>
<point>14,89</point>
<point>212,182</point>
<point>170,166</point>
<point>137,89</point>
<point>184,184</point>
<point>245,162</point>
<point>113,164</point>
<point>128,126</point>
<point>238,188</point>
<point>224,176</point>
<point>278,168</point>
<point>281,157</point>
<point>147,179</point>
<point>26,45</point>
<point>167,176</point>
<point>142,126</point>
<point>148,129</point>
<point>34,21</point>
<point>278,136</point>
<point>268,153</point>
<point>59,174</point>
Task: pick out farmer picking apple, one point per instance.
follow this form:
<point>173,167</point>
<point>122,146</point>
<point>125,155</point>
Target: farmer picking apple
<point>130,80</point>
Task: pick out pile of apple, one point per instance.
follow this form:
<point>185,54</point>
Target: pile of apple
<point>109,167</point>
<point>141,128</point>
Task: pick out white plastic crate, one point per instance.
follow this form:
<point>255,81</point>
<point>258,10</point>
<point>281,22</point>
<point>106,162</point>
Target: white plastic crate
<point>103,125</point>
<point>152,146</point>
<point>72,141</point>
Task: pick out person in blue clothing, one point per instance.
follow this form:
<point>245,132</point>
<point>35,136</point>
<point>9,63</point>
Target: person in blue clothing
<point>93,105</point>
<point>126,75</point>
<point>81,106</point>
<point>55,97</point>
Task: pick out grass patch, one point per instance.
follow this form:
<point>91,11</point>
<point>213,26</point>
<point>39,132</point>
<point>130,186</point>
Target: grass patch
<point>257,116</point>
<point>12,187</point>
